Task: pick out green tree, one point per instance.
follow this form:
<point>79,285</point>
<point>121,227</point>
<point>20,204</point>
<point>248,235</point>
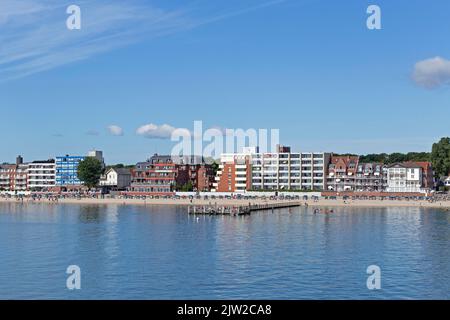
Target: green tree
<point>418,156</point>
<point>440,157</point>
<point>395,157</point>
<point>188,187</point>
<point>382,158</point>
<point>215,167</point>
<point>89,171</point>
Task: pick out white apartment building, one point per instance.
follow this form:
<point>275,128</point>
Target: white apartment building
<point>289,171</point>
<point>278,171</point>
<point>404,177</point>
<point>41,175</point>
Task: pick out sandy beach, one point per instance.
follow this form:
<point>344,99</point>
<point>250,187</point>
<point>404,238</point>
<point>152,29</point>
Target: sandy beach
<point>237,202</point>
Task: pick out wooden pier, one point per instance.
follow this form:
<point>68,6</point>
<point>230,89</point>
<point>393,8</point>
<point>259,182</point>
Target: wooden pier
<point>237,210</point>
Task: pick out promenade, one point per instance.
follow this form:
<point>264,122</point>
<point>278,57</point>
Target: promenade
<point>321,202</point>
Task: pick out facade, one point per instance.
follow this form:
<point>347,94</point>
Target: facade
<point>346,173</point>
<point>428,181</point>
<point>278,171</point>
<point>371,177</point>
<point>201,176</point>
<point>342,173</point>
<point>7,173</point>
<point>163,174</point>
<point>157,176</point>
<point>117,178</point>
<point>14,177</point>
<point>405,177</point>
<point>66,170</point>
<point>289,171</point>
<point>42,175</point>
<point>21,177</point>
<point>234,174</point>
<point>67,167</point>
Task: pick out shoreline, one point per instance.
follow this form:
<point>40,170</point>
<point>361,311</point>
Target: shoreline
<point>235,202</point>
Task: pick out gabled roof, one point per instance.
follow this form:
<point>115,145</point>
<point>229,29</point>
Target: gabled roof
<point>349,162</point>
<point>120,171</point>
<point>405,165</point>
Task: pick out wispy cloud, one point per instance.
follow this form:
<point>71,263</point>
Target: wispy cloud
<point>57,135</point>
<point>432,73</point>
<point>115,130</point>
<point>34,36</point>
<point>92,132</point>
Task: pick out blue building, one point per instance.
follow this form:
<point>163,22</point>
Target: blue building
<point>66,170</point>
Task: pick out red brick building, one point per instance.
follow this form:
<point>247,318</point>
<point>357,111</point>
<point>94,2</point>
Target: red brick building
<point>234,175</point>
<point>160,175</point>
<point>201,176</point>
<point>14,177</point>
<point>157,176</point>
<point>427,174</point>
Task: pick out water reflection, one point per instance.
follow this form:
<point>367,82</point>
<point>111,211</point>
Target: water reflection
<point>92,213</point>
<point>146,252</point>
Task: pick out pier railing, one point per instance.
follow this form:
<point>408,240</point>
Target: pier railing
<point>238,210</point>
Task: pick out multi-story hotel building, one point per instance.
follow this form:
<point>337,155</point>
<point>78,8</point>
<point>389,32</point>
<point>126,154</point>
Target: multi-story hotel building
<point>371,177</point>
<point>157,176</point>
<point>21,177</point>
<point>163,174</point>
<point>201,176</point>
<point>342,173</point>
<point>234,174</point>
<point>410,177</point>
<point>346,173</point>
<point>42,175</point>
<point>67,168</point>
<point>289,171</point>
<point>7,177</point>
<point>14,177</point>
<point>278,171</point>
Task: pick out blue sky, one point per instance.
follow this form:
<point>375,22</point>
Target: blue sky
<point>309,68</point>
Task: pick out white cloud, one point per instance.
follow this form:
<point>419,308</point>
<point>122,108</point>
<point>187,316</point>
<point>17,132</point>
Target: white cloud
<point>165,131</point>
<point>115,130</point>
<point>432,73</point>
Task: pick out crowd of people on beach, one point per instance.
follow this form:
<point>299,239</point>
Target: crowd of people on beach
<point>437,199</point>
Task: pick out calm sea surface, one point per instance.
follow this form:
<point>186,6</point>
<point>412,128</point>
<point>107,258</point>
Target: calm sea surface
<point>160,252</point>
